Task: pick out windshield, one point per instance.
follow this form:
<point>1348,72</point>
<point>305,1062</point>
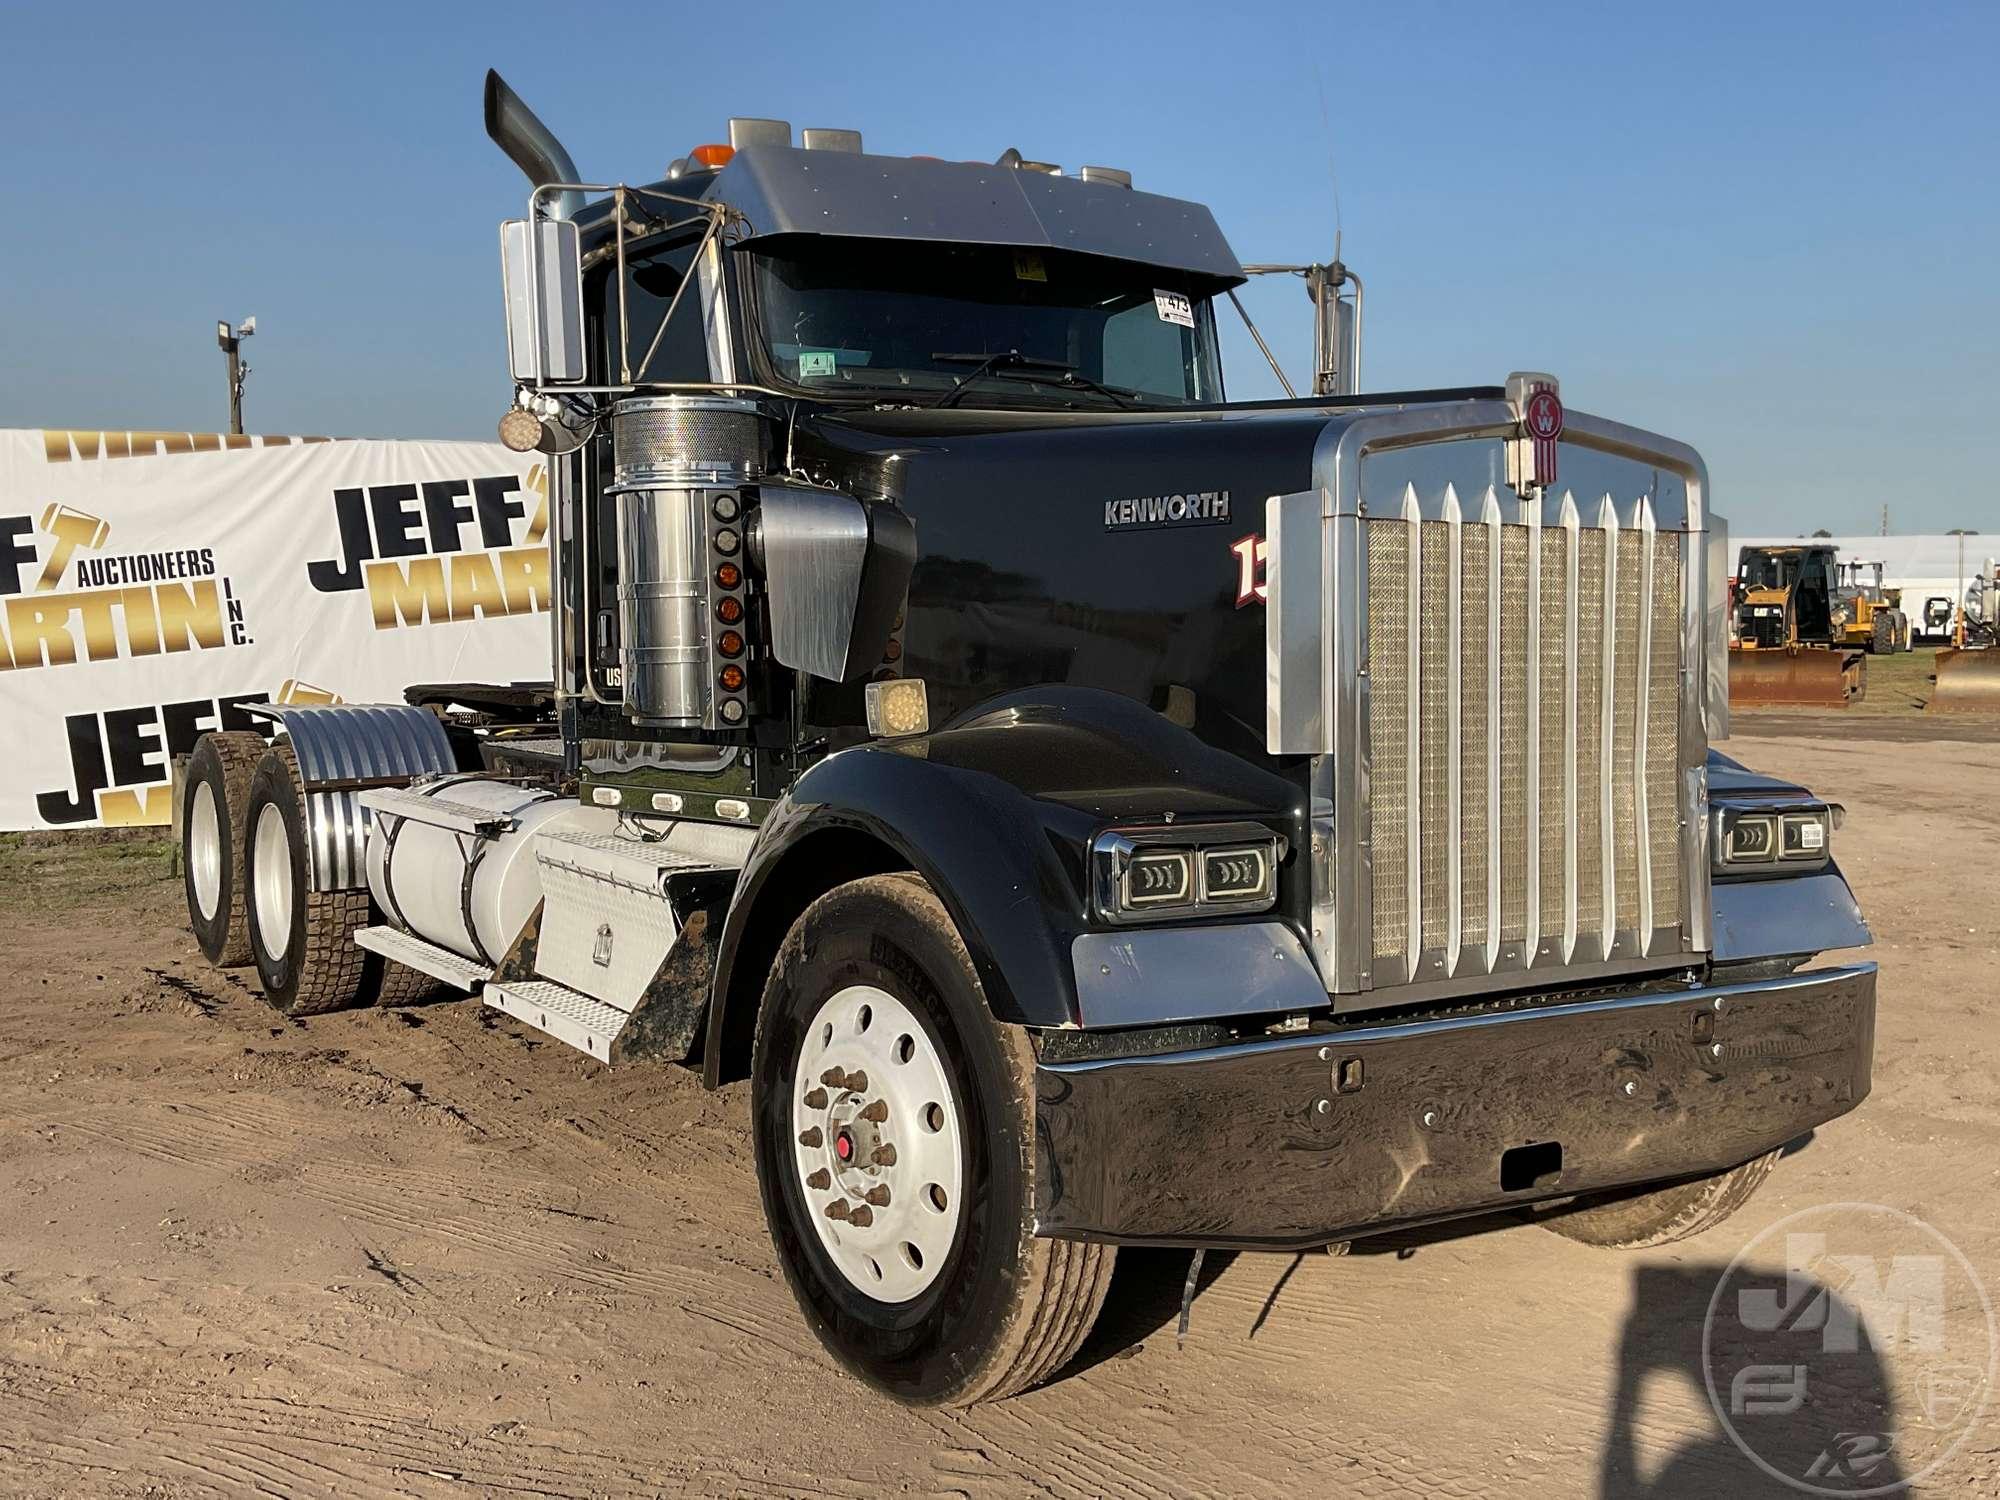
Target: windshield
<point>1768,570</point>
<point>919,317</point>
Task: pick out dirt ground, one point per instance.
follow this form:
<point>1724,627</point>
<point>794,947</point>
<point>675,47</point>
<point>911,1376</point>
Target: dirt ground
<point>427,1252</point>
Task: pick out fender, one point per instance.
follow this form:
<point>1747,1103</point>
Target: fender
<point>1785,916</point>
<point>996,812</point>
<point>343,749</point>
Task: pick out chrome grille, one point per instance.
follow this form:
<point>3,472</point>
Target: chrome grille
<point>1522,734</point>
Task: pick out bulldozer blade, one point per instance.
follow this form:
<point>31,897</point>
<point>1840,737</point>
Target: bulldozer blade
<point>1968,681</point>
<point>1796,677</point>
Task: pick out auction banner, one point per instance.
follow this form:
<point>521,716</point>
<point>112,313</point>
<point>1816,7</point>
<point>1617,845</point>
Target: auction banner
<point>152,583</point>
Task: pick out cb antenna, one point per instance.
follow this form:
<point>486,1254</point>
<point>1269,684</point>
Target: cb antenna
<point>1332,173</point>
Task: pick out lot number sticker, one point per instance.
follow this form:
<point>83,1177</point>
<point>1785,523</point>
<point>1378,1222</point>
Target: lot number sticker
<point>1173,307</point>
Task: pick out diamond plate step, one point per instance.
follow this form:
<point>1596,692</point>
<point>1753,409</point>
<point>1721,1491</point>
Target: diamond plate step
<point>440,963</point>
<point>584,1023</point>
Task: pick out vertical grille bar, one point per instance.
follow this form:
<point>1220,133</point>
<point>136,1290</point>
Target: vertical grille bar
<point>1477,701</point>
<point>1489,518</point>
<point>1569,711</point>
<point>1454,757</point>
<point>1413,759</point>
<point>1607,521</point>
<point>1663,732</point>
<point>1642,682</point>
<point>1591,904</point>
<point>1623,592</point>
<point>1531,794</point>
<point>1516,712</point>
<point>1552,708</point>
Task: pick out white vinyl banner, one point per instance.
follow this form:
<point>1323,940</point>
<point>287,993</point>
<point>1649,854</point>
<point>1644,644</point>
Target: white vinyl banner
<point>153,582</point>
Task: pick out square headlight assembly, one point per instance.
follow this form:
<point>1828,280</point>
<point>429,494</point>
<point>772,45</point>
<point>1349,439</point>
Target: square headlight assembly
<point>1752,839</point>
<point>1167,874</point>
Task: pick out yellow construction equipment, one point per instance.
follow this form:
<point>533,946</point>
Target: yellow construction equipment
<point>1788,648</point>
<point>1865,614</point>
<point>1968,681</point>
<point>1968,674</point>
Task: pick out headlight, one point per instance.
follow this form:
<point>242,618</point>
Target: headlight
<point>1161,874</point>
<point>1752,839</point>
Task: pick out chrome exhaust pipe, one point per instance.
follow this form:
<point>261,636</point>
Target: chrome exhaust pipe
<point>530,145</point>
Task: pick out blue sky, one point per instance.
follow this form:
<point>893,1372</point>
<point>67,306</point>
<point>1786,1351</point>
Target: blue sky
<point>1768,229</point>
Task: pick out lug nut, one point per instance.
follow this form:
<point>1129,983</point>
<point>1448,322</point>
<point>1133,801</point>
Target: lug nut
<point>883,1156</point>
<point>879,1195</point>
<point>862,1217</point>
<point>876,1113</point>
<point>838,1209</point>
<point>833,1078</point>
<point>820,1181</point>
<point>816,1099</point>
<point>811,1137</point>
<point>857,1083</point>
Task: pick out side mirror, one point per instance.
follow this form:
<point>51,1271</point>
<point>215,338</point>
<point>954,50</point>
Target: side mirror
<point>542,271</point>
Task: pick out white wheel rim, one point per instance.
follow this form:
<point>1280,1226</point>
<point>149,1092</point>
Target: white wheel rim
<point>894,1211</point>
<point>273,870</point>
<point>204,851</point>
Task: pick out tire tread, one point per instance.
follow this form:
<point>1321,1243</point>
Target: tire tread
<point>237,752</point>
<point>1644,1221</point>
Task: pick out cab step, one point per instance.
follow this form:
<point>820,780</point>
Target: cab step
<point>588,1025</point>
<point>440,963</point>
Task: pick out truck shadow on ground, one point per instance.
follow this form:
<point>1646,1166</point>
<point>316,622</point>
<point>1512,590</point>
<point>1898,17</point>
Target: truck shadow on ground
<point>1841,1441</point>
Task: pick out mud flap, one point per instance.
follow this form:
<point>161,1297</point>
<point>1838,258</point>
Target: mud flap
<point>1796,676</point>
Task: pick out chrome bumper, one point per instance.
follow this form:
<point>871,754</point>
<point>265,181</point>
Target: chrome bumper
<point>1337,1134</point>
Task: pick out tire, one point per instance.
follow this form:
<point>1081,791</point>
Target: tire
<point>391,983</point>
<point>1883,642</point>
<point>989,1309</point>
<point>302,939</point>
<point>1660,1216</point>
<point>218,798</point>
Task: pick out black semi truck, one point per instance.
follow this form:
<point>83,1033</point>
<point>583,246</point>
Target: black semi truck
<point>1088,810</point>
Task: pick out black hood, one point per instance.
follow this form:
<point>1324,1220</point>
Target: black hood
<point>1033,570</point>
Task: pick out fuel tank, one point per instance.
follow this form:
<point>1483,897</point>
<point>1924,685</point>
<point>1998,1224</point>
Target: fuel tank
<point>466,891</point>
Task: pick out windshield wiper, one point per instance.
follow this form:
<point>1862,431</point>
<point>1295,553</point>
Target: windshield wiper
<point>1014,360</point>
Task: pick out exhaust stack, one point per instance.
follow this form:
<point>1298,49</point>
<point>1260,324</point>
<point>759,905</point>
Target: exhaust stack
<point>530,144</point>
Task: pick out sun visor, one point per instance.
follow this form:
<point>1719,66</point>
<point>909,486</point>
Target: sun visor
<point>782,191</point>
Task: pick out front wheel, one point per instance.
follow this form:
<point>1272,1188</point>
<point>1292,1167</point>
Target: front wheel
<point>894,1130</point>
<point>1660,1216</point>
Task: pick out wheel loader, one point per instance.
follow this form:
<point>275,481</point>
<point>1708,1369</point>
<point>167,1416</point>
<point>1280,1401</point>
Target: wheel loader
<point>1791,632</point>
<point>1866,614</point>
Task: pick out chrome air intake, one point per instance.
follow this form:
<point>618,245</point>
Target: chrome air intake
<point>677,463</point>
<point>685,440</point>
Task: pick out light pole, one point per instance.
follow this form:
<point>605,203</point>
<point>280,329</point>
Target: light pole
<point>231,341</point>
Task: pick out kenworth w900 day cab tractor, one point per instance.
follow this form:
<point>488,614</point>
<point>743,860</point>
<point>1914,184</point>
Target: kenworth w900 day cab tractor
<point>1089,811</point>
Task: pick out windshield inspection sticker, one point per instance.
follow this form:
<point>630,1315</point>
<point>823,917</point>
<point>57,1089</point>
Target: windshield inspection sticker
<point>816,362</point>
<point>1173,308</point>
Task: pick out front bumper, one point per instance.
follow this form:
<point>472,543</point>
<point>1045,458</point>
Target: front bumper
<point>1331,1135</point>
